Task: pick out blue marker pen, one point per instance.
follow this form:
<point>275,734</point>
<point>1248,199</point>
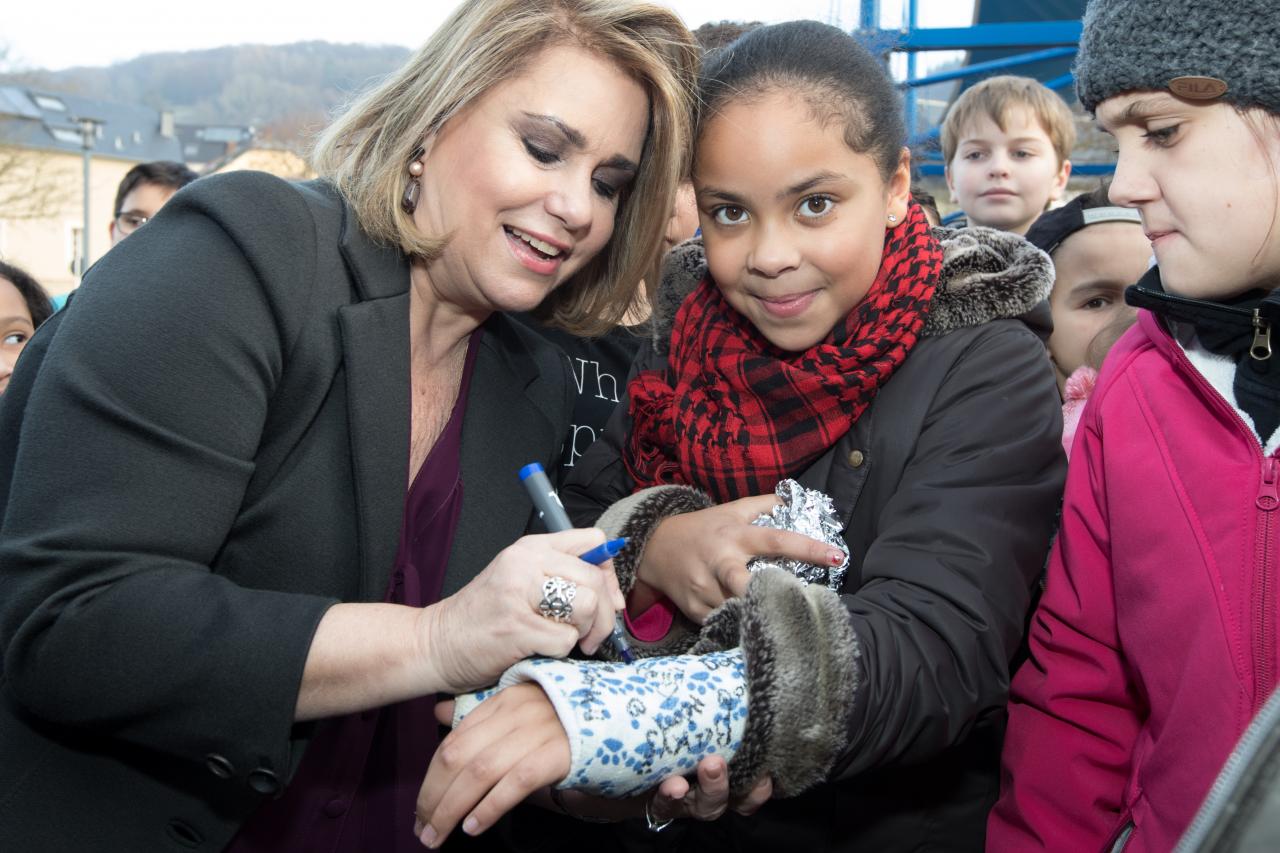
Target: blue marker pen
<point>551,511</point>
<point>545,499</point>
<point>607,551</point>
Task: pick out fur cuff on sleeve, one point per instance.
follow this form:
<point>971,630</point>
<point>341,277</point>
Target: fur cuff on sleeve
<point>636,517</point>
<point>802,676</point>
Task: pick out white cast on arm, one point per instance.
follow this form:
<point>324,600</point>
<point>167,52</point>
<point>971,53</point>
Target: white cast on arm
<point>632,725</point>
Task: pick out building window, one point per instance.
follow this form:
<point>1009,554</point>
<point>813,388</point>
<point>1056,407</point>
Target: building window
<point>48,102</point>
<point>75,249</point>
<point>62,134</point>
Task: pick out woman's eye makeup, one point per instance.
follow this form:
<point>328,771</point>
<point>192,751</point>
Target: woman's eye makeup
<point>551,151</point>
<point>605,189</point>
<point>540,151</point>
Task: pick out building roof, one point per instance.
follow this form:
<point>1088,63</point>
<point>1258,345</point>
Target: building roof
<point>48,121</point>
<point>205,144</point>
<point>277,160</point>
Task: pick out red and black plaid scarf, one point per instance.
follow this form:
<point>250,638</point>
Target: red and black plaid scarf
<point>741,414</point>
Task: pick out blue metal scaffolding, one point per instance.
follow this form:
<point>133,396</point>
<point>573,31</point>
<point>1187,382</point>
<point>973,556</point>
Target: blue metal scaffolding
<point>1041,41</point>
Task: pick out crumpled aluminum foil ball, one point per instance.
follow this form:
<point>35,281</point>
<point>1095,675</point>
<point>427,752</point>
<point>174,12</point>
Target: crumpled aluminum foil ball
<point>812,513</point>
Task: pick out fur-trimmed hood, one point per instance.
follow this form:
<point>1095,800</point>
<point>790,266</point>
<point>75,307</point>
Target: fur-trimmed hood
<point>986,275</point>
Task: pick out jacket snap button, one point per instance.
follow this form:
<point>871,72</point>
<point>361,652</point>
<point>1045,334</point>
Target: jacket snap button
<point>264,781</point>
<point>219,766</point>
<point>335,808</point>
<point>856,458</point>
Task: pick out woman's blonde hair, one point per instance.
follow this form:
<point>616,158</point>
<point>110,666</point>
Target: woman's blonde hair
<point>484,42</point>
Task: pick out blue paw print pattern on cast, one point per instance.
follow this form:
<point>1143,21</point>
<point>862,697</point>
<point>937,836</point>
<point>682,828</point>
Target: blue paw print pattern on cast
<point>465,703</point>
<point>632,725</point>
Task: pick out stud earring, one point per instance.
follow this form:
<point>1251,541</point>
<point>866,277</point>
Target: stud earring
<point>893,217</point>
<point>409,201</point>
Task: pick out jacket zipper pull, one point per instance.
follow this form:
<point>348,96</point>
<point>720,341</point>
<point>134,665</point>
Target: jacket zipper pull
<point>1268,495</point>
<point>1261,348</point>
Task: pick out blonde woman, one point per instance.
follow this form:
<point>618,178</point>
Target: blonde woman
<point>268,455</point>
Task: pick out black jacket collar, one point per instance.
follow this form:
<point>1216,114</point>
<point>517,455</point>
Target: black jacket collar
<point>1229,327</point>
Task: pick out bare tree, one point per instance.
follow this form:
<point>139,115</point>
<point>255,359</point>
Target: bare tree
<point>33,184</point>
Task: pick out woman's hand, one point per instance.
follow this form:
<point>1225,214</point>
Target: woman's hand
<point>698,559</point>
<point>512,745</point>
<point>471,637</point>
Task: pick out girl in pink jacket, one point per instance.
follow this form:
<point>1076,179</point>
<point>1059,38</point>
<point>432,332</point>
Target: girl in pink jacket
<point>1156,639</point>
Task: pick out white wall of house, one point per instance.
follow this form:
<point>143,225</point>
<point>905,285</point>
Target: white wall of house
<point>43,245</point>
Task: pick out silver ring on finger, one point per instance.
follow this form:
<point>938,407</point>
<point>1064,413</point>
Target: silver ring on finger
<point>557,598</point>
<point>652,823</point>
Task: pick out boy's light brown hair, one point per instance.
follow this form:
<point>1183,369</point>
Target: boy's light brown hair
<point>995,97</point>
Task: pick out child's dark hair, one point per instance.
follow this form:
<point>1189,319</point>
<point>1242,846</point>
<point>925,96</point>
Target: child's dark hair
<point>926,200</point>
<point>1099,196</point>
<point>162,173</point>
<point>715,36</point>
<point>38,304</point>
<point>837,77</point>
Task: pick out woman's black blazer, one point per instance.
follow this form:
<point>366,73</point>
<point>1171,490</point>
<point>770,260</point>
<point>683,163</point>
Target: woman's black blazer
<point>198,457</point>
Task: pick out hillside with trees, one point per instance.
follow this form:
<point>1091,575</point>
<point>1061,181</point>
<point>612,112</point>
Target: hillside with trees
<point>286,92</point>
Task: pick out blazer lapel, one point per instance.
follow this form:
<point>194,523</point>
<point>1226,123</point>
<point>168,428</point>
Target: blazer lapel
<point>510,420</point>
<point>375,342</point>
<point>503,429</point>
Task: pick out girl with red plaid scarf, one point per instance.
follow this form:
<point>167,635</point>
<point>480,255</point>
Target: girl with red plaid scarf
<point>820,330</point>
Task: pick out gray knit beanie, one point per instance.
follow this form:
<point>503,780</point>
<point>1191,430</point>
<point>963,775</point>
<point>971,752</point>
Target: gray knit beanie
<point>1189,47</point>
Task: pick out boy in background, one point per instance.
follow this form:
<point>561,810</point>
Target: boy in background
<point>1006,143</point>
<point>145,189</point>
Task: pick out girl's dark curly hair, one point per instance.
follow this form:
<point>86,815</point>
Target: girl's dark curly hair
<point>38,304</point>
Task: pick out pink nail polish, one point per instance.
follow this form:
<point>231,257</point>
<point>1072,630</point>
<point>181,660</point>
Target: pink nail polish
<point>470,825</point>
<point>428,836</point>
<point>836,557</point>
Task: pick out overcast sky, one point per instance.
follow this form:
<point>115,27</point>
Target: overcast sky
<point>53,34</point>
